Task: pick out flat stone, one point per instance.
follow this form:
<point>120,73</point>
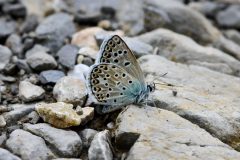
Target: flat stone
<point>204,97</point>
<point>64,143</point>
<point>153,133</point>
<point>234,35</point>
<point>89,52</point>
<point>70,90</point>
<point>87,136</point>
<point>179,18</point>
<point>6,155</point>
<point>6,28</point>
<point>30,24</point>
<point>28,146</point>
<point>50,76</point>
<point>14,43</point>
<point>180,48</point>
<point>5,56</point>
<point>3,138</point>
<point>100,146</point>
<point>17,10</point>
<point>35,49</point>
<point>60,114</point>
<point>30,92</point>
<point>41,61</point>
<point>67,55</point>
<point>54,29</point>
<point>18,112</point>
<point>2,122</point>
<point>229,17</point>
<point>79,71</point>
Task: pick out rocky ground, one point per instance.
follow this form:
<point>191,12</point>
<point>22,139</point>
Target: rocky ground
<point>46,48</point>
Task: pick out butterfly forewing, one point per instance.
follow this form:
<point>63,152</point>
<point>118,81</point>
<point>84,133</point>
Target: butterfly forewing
<point>115,51</point>
<point>112,85</point>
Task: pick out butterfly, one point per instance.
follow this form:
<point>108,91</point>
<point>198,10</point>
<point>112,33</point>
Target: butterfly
<point>116,79</point>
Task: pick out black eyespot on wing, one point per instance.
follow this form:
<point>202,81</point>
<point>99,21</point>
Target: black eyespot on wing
<point>123,75</point>
<point>127,63</point>
<point>130,82</point>
<point>110,89</point>
<point>104,78</point>
<point>115,100</point>
<point>115,60</point>
<point>106,84</point>
<point>124,88</point>
<point>116,75</point>
<point>115,54</point>
<point>107,75</point>
<point>107,95</point>
<point>118,83</point>
<point>125,52</point>
<point>113,66</point>
<point>121,93</point>
<point>119,52</point>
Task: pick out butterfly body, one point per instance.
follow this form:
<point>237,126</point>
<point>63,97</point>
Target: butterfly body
<point>116,79</point>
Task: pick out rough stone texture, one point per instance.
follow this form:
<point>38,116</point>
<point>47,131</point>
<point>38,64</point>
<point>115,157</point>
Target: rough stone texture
<point>54,29</point>
<point>18,112</point>
<point>6,28</point>
<point>67,55</point>
<point>64,143</point>
<point>2,121</point>
<point>70,90</point>
<point>41,61</point>
<point>30,92</point>
<point>183,49</point>
<point>15,44</point>
<point>5,56</point>
<point>28,146</point>
<point>6,155</point>
<point>101,146</point>
<point>60,114</point>
<point>87,136</point>
<point>207,98</point>
<point>179,18</point>
<point>89,52</point>
<point>165,135</point>
<point>35,49</point>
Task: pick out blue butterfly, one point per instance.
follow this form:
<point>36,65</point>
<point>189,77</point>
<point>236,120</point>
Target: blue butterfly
<point>116,79</point>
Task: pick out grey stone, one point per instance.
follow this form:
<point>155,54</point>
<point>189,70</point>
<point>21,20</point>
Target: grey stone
<point>30,92</point>
<point>161,134</point>
<point>131,22</point>
<point>100,147</point>
<point>3,138</point>
<point>70,90</point>
<point>19,111</point>
<point>36,48</point>
<point>6,28</point>
<point>54,29</point>
<point>79,71</point>
<point>67,55</point>
<point>6,155</point>
<point>181,19</point>
<point>17,10</point>
<point>234,35</point>
<point>2,122</point>
<point>29,24</point>
<point>7,78</point>
<point>65,143</point>
<point>28,146</point>
<point>50,76</point>
<point>14,43</point>
<point>182,49</point>
<point>5,109</point>
<point>87,136</point>
<point>229,17</point>
<point>5,56</point>
<point>207,98</point>
<point>87,61</point>
<point>228,46</point>
<point>41,61</point>
<point>22,64</point>
<point>32,118</point>
<point>139,48</point>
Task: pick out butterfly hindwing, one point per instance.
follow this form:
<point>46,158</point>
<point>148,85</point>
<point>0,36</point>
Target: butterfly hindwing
<point>115,51</point>
<point>111,85</point>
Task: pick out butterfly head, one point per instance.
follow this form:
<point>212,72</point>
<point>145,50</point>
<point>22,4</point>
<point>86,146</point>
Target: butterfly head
<point>145,94</point>
<point>151,87</point>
